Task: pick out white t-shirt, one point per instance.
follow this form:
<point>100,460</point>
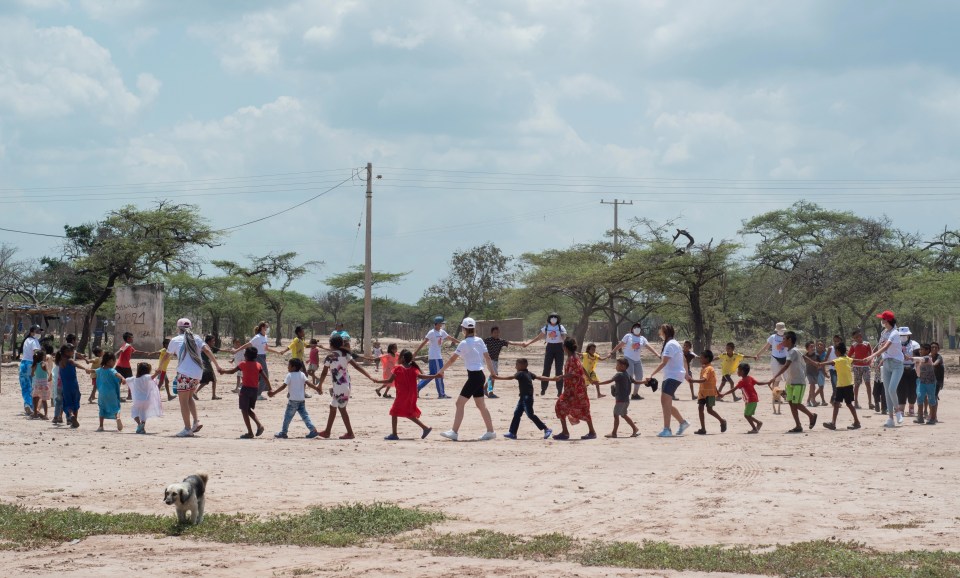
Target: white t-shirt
<point>185,363</point>
<point>908,348</point>
<point>296,385</point>
<point>30,345</point>
<point>895,351</point>
<point>260,342</point>
<point>777,348</point>
<point>633,345</point>
<point>434,341</point>
<point>471,349</point>
<point>675,367</point>
<point>831,353</point>
<point>238,357</point>
<point>553,333</point>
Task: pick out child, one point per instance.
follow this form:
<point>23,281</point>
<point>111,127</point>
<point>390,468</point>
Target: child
<point>296,380</point>
<point>821,357</point>
<point>494,346</point>
<point>163,361</point>
<point>590,360</point>
<point>209,375</point>
<point>729,364</point>
<point>389,360</point>
<point>41,383</point>
<point>814,373</point>
<point>707,396</point>
<point>750,397</point>
<point>377,352</point>
<point>146,397</point>
<point>926,384</point>
<point>688,357</point>
<point>251,371</point>
<point>94,366</point>
<point>858,351</point>
<point>109,384</point>
<point>404,377</point>
<point>123,356</point>
<point>336,365</point>
<point>238,358</point>
<point>56,387</point>
<point>844,393</point>
<point>622,386</point>
<point>69,384</point>
<point>525,380</point>
<point>795,371</point>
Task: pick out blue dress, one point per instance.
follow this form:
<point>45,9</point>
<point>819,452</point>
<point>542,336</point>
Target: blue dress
<point>108,387</point>
<point>71,388</point>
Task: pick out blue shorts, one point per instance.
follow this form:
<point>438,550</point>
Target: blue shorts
<point>669,386</point>
<point>927,392</point>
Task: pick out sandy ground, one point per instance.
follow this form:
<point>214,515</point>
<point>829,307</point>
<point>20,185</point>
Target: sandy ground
<point>729,488</point>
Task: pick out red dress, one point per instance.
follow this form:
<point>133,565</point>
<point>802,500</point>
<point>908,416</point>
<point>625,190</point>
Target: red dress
<point>573,403</point>
<point>405,382</point>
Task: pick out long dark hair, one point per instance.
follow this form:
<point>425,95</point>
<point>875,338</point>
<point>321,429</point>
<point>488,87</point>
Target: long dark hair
<point>336,342</point>
<point>406,358</point>
<point>668,334</point>
<point>570,344</point>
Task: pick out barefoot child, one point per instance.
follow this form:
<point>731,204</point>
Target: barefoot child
<point>161,375</point>
<point>94,366</point>
<point>208,375</point>
<point>707,396</point>
<point>590,359</point>
<point>750,397</point>
<point>146,397</point>
<point>296,380</point>
<point>108,383</point>
<point>41,382</point>
<point>622,386</point>
<point>926,384</point>
<point>729,363</point>
<point>336,364</point>
<point>795,371</point>
<point>389,361</point>
<point>404,378</point>
<point>844,393</point>
<point>69,384</point>
<point>251,372</point>
<point>525,380</point>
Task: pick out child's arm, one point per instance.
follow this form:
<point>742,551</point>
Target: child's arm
<point>357,366</point>
<point>611,380</point>
<point>323,376</point>
<point>554,378</point>
<point>274,392</point>
<point>233,369</point>
<point>263,374</point>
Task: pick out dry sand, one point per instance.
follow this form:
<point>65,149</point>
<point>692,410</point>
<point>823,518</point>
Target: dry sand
<point>727,488</point>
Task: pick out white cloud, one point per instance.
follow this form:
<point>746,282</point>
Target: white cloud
<point>586,85</point>
<point>387,37</point>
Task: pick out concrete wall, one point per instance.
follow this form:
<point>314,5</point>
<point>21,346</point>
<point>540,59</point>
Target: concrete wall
<point>140,311</point>
<point>510,329</point>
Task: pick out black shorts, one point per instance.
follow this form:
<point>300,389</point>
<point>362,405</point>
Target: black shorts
<point>475,384</point>
<point>843,395</point>
<point>207,377</point>
<point>248,398</point>
<point>124,371</point>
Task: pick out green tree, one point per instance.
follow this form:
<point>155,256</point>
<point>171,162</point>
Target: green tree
<point>477,276</point>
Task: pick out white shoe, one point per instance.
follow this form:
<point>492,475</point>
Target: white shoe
<point>683,427</point>
<point>185,433</point>
<point>488,436</point>
<point>889,423</point>
<point>899,418</point>
<point>665,433</point>
<point>450,435</point>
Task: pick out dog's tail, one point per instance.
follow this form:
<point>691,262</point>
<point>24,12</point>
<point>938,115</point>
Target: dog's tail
<point>203,476</point>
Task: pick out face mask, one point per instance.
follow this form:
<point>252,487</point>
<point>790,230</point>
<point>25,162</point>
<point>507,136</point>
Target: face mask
<point>781,331</point>
<point>636,331</point>
<point>552,320</point>
<point>904,339</point>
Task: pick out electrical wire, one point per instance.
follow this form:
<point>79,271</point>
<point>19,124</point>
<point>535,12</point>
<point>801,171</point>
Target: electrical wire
<point>288,209</point>
<point>32,233</point>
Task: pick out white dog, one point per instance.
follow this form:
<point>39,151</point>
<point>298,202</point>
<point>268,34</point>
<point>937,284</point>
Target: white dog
<point>188,496</point>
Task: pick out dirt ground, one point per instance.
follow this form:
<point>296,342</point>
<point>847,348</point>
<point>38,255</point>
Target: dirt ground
<point>729,488</point>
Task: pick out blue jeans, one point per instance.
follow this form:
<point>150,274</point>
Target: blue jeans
<point>26,382</point>
<point>525,406</point>
<point>295,407</point>
<point>435,365</point>
<point>892,372</point>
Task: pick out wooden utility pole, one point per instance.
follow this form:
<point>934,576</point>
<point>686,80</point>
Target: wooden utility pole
<point>367,268</point>
<point>616,223</point>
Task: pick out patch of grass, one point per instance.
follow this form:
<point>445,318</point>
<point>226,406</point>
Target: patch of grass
<point>488,544</point>
<point>903,525</point>
<point>346,525</point>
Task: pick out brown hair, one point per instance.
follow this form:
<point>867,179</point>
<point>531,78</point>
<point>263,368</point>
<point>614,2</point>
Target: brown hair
<point>668,333</point>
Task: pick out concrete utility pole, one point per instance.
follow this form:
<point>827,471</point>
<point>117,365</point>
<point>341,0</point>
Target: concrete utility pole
<point>367,269</point>
<point>616,222</point>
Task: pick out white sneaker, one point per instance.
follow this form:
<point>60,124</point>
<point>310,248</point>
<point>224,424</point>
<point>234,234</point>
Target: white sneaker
<point>665,433</point>
<point>683,427</point>
<point>488,436</point>
<point>450,435</point>
<point>185,433</point>
<point>889,423</point>
<point>899,418</point>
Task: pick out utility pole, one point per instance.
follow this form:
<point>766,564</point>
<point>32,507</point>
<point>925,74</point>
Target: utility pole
<point>616,222</point>
<point>367,270</point>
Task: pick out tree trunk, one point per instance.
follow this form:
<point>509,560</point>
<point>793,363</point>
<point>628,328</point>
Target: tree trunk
<point>697,320</point>
<point>92,314</point>
<point>582,326</point>
<point>215,330</point>
<point>612,318</point>
<point>279,312</point>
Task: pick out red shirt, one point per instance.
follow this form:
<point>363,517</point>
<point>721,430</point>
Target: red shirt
<point>250,371</point>
<point>859,351</point>
<point>314,356</point>
<point>126,352</point>
<point>748,385</point>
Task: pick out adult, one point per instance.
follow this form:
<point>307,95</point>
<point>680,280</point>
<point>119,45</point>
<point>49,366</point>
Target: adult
<point>494,346</point>
<point>891,350</point>
<point>434,342</point>
<point>189,348</point>
<point>259,340</point>
<point>674,369</point>
<point>859,350</point>
<point>573,404</point>
<point>907,388</point>
<point>31,343</point>
<point>475,357</point>
<point>632,345</point>
<point>553,334</point>
<point>778,352</point>
<point>795,370</point>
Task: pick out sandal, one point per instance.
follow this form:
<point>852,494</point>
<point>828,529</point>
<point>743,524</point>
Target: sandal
<point>723,426</point>
<point>247,436</point>
<point>259,431</point>
<point>795,430</point>
<point>561,437</point>
<point>392,438</point>
<point>589,436</point>
<point>700,432</point>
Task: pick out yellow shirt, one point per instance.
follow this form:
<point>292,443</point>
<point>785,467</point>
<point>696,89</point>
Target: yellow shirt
<point>164,360</point>
<point>729,363</point>
<point>709,386</point>
<point>844,367</point>
<point>296,349</point>
<point>590,362</point>
<point>96,362</point>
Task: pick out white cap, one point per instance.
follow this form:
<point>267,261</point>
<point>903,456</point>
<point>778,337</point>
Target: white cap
<point>184,322</point>
<point>468,323</point>
<point>904,330</point>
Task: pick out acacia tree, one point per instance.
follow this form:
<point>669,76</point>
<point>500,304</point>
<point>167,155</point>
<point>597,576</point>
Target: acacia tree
<point>346,288</point>
<point>26,279</point>
<point>129,245</point>
<point>477,276</point>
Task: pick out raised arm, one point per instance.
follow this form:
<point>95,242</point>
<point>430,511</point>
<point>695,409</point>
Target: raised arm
<point>766,346</point>
<point>419,347</point>
<point>652,350</point>
<point>535,339</point>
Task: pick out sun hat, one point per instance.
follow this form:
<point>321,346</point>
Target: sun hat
<point>468,323</point>
<point>886,315</point>
<point>904,330</point>
<point>780,326</point>
<point>184,322</point>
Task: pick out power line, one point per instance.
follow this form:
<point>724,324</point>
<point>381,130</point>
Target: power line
<point>288,209</point>
<point>32,233</point>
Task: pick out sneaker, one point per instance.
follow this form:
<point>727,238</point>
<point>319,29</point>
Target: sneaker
<point>444,397</point>
<point>932,422</point>
<point>312,435</point>
<point>830,425</point>
<point>140,428</point>
<point>635,397</point>
<point>185,433</point>
<point>450,435</point>
<point>425,433</point>
<point>592,436</point>
<point>665,433</point>
<point>492,395</point>
<point>920,420</point>
<point>899,418</point>
<point>488,436</point>
<point>889,423</point>
<point>700,432</point>
<point>280,435</point>
<point>510,436</point>
<point>683,427</point>
<point>547,433</point>
<point>392,437</point>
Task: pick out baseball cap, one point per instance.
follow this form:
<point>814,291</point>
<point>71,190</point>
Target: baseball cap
<point>184,322</point>
<point>887,315</point>
<point>468,323</point>
<point>438,319</point>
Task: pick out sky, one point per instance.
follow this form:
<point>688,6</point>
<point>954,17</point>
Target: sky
<point>502,121</point>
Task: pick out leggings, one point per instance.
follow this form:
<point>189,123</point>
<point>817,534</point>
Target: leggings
<point>892,372</point>
<point>907,389</point>
<point>26,383</point>
<point>554,355</point>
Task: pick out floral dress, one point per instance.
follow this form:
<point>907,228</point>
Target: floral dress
<point>573,403</point>
<point>337,363</point>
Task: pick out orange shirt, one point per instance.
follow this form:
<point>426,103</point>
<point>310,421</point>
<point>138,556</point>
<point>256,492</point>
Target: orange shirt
<point>709,386</point>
